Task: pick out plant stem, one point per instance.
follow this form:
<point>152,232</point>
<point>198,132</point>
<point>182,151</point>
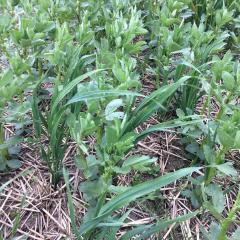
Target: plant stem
<point>211,171</point>
<point>227,221</point>
<point>4,151</point>
<point>221,110</point>
<point>205,105</point>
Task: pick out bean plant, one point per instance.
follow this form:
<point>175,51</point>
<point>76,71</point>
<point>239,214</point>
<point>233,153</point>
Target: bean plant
<point>78,69</point>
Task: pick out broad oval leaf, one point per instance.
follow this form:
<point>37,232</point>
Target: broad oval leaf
<point>14,163</point>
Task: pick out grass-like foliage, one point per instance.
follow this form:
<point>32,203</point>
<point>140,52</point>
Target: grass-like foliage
<point>77,68</point>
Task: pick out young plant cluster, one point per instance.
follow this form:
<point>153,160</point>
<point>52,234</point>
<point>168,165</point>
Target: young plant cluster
<point>76,68</point>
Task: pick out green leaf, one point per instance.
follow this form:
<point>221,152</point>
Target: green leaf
<point>109,232</point>
<point>98,94</point>
<point>93,189</point>
<point>150,104</point>
<point>228,80</point>
<point>188,64</point>
<point>214,231</point>
<point>117,189</point>
<point>111,135</point>
<point>80,162</point>
<point>192,148</point>
<point>14,150</point>
<point>138,161</point>
<point>6,78</point>
<point>236,234</point>
<point>144,189</point>
<point>14,164</point>
<point>213,211</point>
<point>70,204</point>
<point>5,21</point>
<point>226,140</point>
<point>110,109</point>
<point>2,164</point>
<point>167,125</point>
<point>133,193</point>
<point>36,113</point>
<point>113,106</point>
<point>237,140</point>
<point>17,218</point>
<point>227,168</point>
<point>45,4</point>
<point>209,154</point>
<point>69,87</point>
<point>145,231</point>
<point>11,142</point>
<point>218,198</point>
<point>192,195</point>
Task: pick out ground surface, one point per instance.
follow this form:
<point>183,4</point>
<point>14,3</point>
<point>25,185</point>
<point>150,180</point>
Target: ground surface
<point>44,214</point>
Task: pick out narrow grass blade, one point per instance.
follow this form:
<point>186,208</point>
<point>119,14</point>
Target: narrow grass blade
<point>36,116</point>
<point>73,63</point>
<point>160,95</point>
<point>90,95</point>
<point>67,89</point>
<point>166,125</point>
<point>148,230</point>
<point>143,189</point>
<point>133,193</point>
<point>70,204</point>
<point>151,104</point>
<point>17,220</point>
<point>55,126</point>
<point>188,64</point>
